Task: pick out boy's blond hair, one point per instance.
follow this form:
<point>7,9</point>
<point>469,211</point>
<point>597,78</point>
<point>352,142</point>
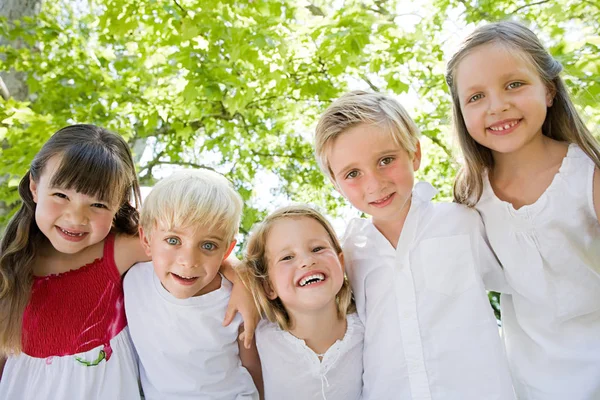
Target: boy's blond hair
<point>359,107</point>
<point>193,197</point>
<point>255,271</point>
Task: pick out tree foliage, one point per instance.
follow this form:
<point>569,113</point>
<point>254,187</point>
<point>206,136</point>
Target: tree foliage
<point>238,86</point>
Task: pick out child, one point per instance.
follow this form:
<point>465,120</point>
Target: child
<point>532,171</point>
<point>175,303</point>
<point>61,309</point>
<point>312,346</point>
<point>416,267</point>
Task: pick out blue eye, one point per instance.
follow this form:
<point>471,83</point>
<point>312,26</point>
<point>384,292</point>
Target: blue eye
<point>209,246</point>
<point>173,241</point>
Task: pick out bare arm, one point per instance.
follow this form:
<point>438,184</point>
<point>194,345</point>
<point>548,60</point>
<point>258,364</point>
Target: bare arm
<point>241,300</point>
<point>251,361</point>
<point>128,251</point>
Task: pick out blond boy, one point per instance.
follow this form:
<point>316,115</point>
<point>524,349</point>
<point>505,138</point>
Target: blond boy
<point>417,268</point>
<point>175,304</point>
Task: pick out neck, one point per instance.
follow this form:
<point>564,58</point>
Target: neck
<point>319,329</point>
<point>534,156</point>
<point>392,228</point>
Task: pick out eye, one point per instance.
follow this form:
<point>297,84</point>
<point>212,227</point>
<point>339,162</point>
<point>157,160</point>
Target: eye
<point>514,85</point>
<point>60,195</point>
<point>476,97</point>
<point>352,174</point>
<point>386,160</point>
<point>100,205</point>
<point>209,246</point>
<point>318,248</point>
<point>173,241</point>
<point>286,258</point>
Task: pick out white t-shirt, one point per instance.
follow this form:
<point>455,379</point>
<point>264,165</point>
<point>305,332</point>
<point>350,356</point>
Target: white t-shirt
<point>550,251</point>
<point>184,351</point>
<point>293,371</point>
<point>430,332</point>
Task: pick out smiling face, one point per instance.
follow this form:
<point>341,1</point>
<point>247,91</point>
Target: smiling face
<point>374,173</point>
<point>305,272</point>
<point>70,220</point>
<point>502,97</point>
<point>187,260</point>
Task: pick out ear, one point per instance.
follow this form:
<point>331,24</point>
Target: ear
<point>33,189</point>
<point>271,295</point>
<point>145,240</point>
<point>230,249</point>
<point>550,94</point>
<point>417,157</point>
<point>341,258</point>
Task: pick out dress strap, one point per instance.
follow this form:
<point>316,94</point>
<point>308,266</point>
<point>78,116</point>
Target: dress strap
<point>108,257</point>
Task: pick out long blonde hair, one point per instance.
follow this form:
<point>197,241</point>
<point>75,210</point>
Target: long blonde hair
<point>562,122</point>
<point>95,162</point>
<point>255,272</point>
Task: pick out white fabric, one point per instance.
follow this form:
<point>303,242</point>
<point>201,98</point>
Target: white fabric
<point>184,351</point>
<point>58,378</point>
<point>550,251</point>
<point>430,332</point>
<point>292,371</point>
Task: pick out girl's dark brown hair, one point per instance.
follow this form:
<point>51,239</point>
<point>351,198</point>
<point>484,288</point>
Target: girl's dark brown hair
<point>94,162</point>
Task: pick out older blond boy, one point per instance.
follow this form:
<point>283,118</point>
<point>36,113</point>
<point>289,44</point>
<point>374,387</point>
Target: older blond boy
<point>416,267</point>
<point>175,304</point>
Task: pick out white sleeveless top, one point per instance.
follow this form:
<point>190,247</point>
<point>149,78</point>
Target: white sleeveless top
<point>293,371</point>
<point>184,351</point>
<point>550,251</point>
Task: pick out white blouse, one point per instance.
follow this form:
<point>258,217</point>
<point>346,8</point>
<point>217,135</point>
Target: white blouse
<point>293,371</point>
<point>184,351</point>
<point>430,332</point>
<point>550,251</point>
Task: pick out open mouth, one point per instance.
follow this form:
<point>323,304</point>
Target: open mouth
<point>311,280</point>
<point>384,201</point>
<point>505,126</point>
<point>71,235</point>
<point>183,279</point>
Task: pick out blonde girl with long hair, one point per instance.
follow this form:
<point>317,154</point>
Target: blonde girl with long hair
<point>531,168</point>
<point>311,342</point>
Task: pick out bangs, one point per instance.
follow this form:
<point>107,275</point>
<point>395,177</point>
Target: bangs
<point>92,171</point>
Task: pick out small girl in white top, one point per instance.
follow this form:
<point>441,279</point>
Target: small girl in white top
<point>311,346</point>
<point>532,171</point>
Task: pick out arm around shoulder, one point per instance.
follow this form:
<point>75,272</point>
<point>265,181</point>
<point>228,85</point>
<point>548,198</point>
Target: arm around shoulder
<point>251,361</point>
<point>128,251</point>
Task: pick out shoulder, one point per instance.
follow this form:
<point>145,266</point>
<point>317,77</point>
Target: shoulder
<point>138,275</point>
<point>128,251</point>
<point>360,235</point>
<point>446,219</point>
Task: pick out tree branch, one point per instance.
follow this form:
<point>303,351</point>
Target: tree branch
<point>529,5</point>
<point>4,90</point>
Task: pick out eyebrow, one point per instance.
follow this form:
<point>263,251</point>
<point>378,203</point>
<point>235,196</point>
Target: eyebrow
<point>178,232</point>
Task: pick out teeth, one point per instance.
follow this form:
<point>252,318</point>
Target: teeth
<point>71,233</point>
<point>382,200</point>
<point>185,277</point>
<point>312,279</point>
<point>503,127</point>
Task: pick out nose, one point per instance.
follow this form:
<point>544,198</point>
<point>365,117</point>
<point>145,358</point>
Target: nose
<point>308,260</point>
<point>187,258</point>
<point>373,182</point>
<point>498,103</point>
<point>77,215</point>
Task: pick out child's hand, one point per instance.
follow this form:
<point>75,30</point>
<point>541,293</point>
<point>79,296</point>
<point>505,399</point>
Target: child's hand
<point>240,301</point>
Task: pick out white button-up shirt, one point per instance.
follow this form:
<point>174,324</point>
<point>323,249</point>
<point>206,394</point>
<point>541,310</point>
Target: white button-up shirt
<point>430,332</point>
